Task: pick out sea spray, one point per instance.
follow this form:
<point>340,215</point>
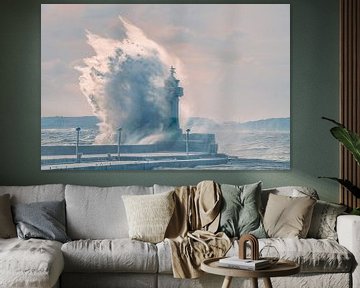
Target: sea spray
<point>124,84</point>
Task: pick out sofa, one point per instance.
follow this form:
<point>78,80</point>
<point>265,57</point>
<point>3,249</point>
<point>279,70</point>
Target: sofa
<point>100,253</point>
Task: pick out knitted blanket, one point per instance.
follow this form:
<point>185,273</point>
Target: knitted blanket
<point>191,232</point>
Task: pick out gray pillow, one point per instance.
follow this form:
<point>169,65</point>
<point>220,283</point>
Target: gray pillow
<point>240,213</point>
<point>44,220</point>
<point>323,222</point>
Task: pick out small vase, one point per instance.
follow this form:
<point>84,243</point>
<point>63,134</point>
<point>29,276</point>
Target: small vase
<point>270,253</point>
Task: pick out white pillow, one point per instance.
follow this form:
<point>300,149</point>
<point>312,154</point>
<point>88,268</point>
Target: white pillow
<point>149,215</point>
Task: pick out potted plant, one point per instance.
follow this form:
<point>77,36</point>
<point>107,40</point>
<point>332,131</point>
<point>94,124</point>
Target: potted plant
<point>351,141</point>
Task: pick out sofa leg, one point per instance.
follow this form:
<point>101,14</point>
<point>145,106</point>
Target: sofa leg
<point>227,282</point>
<point>267,283</point>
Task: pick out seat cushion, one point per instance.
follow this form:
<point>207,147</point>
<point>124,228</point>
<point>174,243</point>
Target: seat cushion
<point>164,257</point>
<point>313,255</point>
<point>30,263</point>
<point>117,255</point>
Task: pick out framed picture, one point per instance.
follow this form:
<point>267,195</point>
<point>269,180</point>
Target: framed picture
<point>165,86</point>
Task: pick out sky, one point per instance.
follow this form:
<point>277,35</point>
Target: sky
<point>233,60</point>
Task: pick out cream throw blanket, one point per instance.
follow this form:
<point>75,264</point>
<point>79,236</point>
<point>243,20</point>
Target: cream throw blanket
<point>191,231</point>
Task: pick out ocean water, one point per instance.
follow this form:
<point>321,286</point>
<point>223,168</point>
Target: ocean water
<point>67,136</point>
<point>265,145</point>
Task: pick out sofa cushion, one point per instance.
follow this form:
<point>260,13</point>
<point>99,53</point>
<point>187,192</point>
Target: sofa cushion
<point>7,226</point>
<point>313,255</point>
<point>240,210</point>
<point>164,257</point>
<point>43,220</point>
<point>287,216</point>
<point>149,215</point>
<point>30,263</point>
<point>323,222</point>
<point>291,191</point>
<point>117,255</point>
<point>35,193</point>
<point>98,213</point>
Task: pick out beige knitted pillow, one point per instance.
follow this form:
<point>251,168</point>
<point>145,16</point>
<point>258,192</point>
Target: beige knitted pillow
<point>149,215</point>
<point>288,217</point>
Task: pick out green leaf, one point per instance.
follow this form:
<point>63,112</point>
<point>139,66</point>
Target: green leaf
<point>347,184</point>
<point>349,139</point>
<point>355,211</point>
<point>333,121</point>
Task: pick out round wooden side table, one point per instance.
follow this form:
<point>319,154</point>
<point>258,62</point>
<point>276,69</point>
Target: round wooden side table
<point>281,268</point>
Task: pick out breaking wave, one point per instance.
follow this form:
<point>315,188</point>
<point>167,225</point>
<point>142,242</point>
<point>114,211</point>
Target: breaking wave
<point>124,84</point>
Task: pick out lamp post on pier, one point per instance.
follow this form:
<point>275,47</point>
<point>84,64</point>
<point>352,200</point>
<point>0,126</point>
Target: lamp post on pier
<point>187,141</point>
<point>77,144</point>
<point>119,142</point>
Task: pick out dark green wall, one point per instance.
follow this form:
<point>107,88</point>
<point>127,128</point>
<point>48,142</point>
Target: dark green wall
<point>314,93</point>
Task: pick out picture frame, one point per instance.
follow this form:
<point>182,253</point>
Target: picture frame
<point>165,87</point>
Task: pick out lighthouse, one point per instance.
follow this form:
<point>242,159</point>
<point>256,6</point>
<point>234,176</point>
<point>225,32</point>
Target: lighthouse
<point>173,92</point>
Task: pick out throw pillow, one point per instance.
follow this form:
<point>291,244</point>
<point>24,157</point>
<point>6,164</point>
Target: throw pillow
<point>149,215</point>
<point>7,226</point>
<point>287,217</point>
<point>240,213</point>
<point>323,222</point>
<point>44,220</point>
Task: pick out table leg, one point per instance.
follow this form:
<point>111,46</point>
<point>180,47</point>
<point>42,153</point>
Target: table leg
<point>254,282</point>
<point>267,283</point>
<point>227,282</point>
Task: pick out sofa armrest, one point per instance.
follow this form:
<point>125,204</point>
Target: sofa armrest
<point>348,230</point>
